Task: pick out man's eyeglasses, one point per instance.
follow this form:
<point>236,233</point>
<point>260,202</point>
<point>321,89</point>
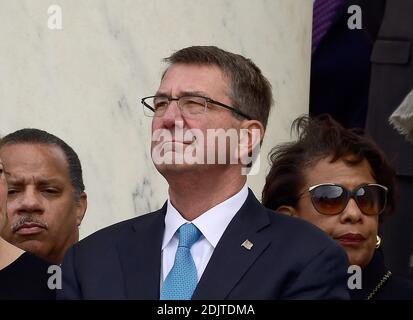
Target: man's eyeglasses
<point>332,199</point>
<point>156,106</point>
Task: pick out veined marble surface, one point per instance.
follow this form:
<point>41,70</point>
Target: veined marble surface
<point>83,82</point>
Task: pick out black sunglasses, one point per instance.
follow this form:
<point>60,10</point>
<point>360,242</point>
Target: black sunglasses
<point>332,199</point>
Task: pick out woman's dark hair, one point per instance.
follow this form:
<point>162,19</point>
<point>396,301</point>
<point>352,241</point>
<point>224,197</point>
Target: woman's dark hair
<point>320,138</point>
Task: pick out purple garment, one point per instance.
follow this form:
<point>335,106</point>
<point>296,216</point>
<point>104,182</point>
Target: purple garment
<point>323,15</point>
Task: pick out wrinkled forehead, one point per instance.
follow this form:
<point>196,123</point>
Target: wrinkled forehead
<point>34,160</point>
<point>193,78</point>
<point>196,65</point>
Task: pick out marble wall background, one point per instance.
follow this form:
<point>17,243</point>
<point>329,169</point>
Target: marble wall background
<point>83,82</point>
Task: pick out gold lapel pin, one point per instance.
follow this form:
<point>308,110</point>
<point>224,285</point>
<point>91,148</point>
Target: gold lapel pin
<point>247,244</point>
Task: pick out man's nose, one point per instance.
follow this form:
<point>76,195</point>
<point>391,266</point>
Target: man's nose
<point>29,201</point>
<point>172,114</point>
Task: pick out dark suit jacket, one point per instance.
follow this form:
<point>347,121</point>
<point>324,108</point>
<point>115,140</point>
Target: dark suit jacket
<point>290,259</point>
<point>391,81</point>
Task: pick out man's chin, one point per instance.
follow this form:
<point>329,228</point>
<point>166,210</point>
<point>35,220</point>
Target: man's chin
<point>35,246</point>
<point>176,167</point>
<point>173,169</point>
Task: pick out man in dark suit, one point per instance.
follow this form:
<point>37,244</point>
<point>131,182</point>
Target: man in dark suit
<point>212,239</point>
<point>391,82</point>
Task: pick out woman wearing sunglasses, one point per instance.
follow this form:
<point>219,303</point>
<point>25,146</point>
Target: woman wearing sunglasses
<point>340,181</point>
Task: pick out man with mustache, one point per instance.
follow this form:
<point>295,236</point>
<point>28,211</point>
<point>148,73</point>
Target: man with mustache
<point>23,276</point>
<point>212,239</point>
<point>46,198</point>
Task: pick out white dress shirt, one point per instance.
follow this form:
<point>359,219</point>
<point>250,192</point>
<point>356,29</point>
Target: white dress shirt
<point>211,223</point>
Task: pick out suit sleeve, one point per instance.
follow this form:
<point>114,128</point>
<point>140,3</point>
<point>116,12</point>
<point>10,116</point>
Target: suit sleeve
<point>323,278</point>
<point>70,285</point>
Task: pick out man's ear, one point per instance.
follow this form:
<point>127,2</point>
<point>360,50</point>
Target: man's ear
<point>251,135</point>
<point>288,210</point>
<point>81,208</point>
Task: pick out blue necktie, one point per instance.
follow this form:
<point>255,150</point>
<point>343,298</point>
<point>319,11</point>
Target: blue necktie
<point>182,279</point>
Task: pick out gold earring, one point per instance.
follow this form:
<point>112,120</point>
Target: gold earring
<point>378,242</point>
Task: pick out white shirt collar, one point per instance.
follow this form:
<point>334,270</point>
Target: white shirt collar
<point>211,223</point>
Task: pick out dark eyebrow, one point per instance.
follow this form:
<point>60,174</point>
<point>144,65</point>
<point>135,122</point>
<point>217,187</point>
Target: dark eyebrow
<point>194,93</point>
<point>39,181</point>
<point>43,182</point>
<point>13,179</point>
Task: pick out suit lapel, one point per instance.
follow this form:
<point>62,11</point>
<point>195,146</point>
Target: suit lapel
<point>230,259</point>
<point>140,257</point>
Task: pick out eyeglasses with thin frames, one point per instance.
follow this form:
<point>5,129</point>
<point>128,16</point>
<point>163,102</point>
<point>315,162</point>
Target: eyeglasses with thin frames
<point>156,106</point>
